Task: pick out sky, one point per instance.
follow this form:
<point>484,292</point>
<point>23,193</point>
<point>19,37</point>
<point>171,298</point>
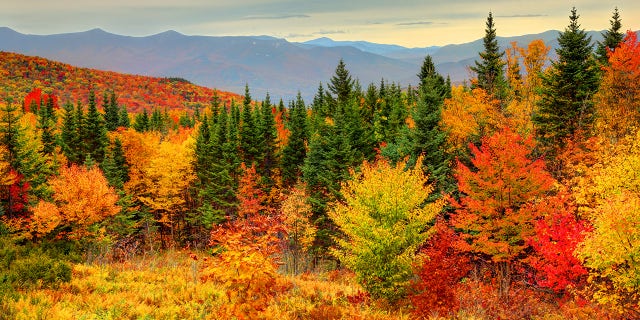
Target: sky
<point>410,23</point>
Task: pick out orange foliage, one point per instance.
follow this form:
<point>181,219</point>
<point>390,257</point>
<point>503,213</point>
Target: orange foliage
<point>491,213</point>
<point>618,100</point>
<point>81,198</point>
<point>249,254</point>
<point>468,115</point>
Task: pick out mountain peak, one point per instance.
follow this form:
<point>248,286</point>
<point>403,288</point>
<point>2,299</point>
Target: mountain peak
<point>168,33</point>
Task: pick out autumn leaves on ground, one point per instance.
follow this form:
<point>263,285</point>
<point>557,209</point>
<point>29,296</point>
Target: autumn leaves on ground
<point>513,197</point>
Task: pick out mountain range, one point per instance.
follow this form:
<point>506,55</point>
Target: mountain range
<point>266,64</point>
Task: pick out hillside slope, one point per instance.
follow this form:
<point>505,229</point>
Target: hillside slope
<point>19,74</point>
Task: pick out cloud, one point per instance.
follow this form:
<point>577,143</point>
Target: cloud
<point>325,32</point>
<point>276,17</point>
<point>523,16</point>
<point>415,23</point>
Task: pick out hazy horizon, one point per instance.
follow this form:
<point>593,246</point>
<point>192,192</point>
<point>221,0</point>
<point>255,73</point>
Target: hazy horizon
<point>412,23</point>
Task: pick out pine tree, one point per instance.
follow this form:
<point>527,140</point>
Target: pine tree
<point>428,72</point>
<point>141,121</point>
<point>71,134</point>
<point>46,124</point>
<point>566,105</point>
<point>341,84</point>
<point>249,140</point>
<point>268,142</point>
<point>24,155</point>
<point>427,138</point>
<point>115,165</point>
<point>611,39</point>
<point>123,118</point>
<point>111,111</point>
<point>327,164</point>
<point>490,68</point>
<point>93,132</point>
<point>295,151</point>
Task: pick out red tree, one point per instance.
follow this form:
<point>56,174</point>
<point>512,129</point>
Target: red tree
<point>555,240</point>
<point>439,274</point>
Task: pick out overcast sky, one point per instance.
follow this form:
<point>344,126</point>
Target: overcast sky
<point>412,23</point>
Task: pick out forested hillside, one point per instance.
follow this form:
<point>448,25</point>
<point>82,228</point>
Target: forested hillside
<point>515,197</point>
<point>21,74</point>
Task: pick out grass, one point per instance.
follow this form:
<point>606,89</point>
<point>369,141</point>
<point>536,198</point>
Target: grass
<point>168,286</point>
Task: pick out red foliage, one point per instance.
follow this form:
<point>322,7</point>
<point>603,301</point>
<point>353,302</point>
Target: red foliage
<point>439,275</point>
<point>556,238</point>
<point>36,98</point>
<point>18,194</point>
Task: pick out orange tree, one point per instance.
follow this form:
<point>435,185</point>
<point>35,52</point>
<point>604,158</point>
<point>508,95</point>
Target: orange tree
<point>81,199</point>
<point>492,215</point>
<point>248,252</point>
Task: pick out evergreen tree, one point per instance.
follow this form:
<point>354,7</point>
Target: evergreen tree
<point>490,68</point>
<point>123,118</point>
<point>327,164</point>
<point>111,111</point>
<point>93,132</point>
<point>249,139</point>
<point>24,155</point>
<point>428,73</point>
<point>46,124</point>
<point>427,138</point>
<point>566,105</point>
<point>341,84</point>
<point>611,39</point>
<point>71,141</point>
<point>295,151</point>
<point>141,121</point>
<point>268,142</point>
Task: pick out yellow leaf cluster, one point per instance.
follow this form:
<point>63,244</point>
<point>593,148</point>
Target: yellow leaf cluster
<point>469,114</point>
<point>384,220</point>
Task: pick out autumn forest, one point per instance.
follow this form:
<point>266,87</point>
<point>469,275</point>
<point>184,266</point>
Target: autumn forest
<point>513,195</point>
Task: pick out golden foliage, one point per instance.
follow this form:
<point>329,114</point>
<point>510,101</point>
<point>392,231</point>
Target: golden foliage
<point>81,198</point>
<point>469,115</point>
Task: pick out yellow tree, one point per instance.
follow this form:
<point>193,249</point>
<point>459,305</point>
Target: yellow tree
<point>609,195</point>
<point>296,213</point>
<point>165,180</point>
<point>384,220</point>
<point>81,198</point>
<point>524,87</point>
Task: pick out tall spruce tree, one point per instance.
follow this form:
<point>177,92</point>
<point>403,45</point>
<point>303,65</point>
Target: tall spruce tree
<point>295,151</point>
<point>249,139</point>
<point>490,68</point>
<point>46,124</point>
<point>111,111</point>
<point>427,138</point>
<point>326,166</point>
<point>141,121</point>
<point>94,132</point>
<point>70,135</point>
<point>24,154</point>
<point>566,105</point>
<point>611,39</point>
<point>268,136</point>
<point>341,84</point>
<point>123,118</point>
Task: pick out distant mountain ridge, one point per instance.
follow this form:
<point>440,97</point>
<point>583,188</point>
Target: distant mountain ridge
<point>266,63</point>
